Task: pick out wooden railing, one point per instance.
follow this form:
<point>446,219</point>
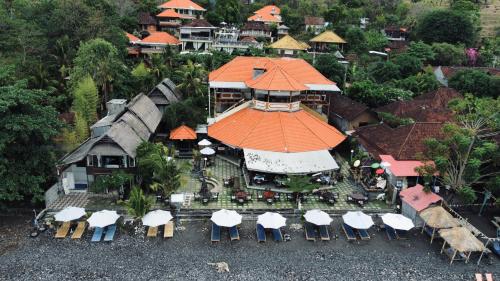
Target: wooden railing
<point>276,106</point>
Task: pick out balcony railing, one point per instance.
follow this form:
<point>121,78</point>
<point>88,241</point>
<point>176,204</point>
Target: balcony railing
<point>276,106</point>
<point>197,38</point>
<point>237,44</point>
<point>255,33</point>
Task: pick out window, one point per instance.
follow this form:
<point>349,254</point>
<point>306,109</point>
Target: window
<point>131,162</point>
<point>90,160</point>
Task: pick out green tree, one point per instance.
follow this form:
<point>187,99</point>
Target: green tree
<point>356,39</point>
<point>446,26</point>
<point>375,41</point>
<point>108,183</point>
<point>86,100</point>
<point>142,76</point>
<point>81,128</point>
<point>329,66</point>
<point>448,54</point>
<point>193,76</point>
<point>229,11</point>
<point>422,51</point>
<point>384,71</point>
<point>476,82</point>
<point>420,83</point>
<point>139,204</point>
<point>374,95</point>
<point>301,184</point>
<point>408,64</point>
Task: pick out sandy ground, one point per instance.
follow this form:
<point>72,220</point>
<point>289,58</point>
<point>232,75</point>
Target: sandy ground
<point>188,254</point>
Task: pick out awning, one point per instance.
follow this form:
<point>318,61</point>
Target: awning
<point>323,87</point>
<point>228,85</point>
<point>289,163</point>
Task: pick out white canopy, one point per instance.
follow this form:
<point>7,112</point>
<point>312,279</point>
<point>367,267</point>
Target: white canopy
<point>226,218</point>
<point>398,221</point>
<point>69,214</point>
<point>323,87</point>
<point>204,142</point>
<point>318,217</point>
<point>156,218</point>
<point>103,218</point>
<point>358,220</point>
<point>385,164</point>
<point>271,220</point>
<point>207,151</point>
<point>289,163</point>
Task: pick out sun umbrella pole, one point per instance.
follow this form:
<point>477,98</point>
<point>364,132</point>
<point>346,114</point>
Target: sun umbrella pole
<point>423,227</point>
<point>468,256</point>
<point>442,249</point>
<point>453,257</point>
<point>433,232</point>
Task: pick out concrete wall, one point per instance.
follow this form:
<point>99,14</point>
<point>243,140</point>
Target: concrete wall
<point>51,195</point>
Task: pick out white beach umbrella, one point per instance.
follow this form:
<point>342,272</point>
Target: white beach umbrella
<point>318,217</point>
<point>103,218</point>
<point>385,164</point>
<point>69,214</point>
<point>398,221</point>
<point>207,151</point>
<point>271,220</point>
<point>204,142</point>
<point>226,218</point>
<point>156,218</point>
<point>358,220</point>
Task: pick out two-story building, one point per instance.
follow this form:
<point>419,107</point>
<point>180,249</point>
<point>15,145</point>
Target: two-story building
<point>169,20</point>
<point>269,14</point>
<point>227,38</point>
<point>187,9</point>
<point>156,42</point>
<point>256,29</point>
<point>198,35</point>
<point>314,24</point>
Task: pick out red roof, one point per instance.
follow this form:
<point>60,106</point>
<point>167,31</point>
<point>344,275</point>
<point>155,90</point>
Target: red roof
<point>132,38</point>
<point>181,4</point>
<point>275,131</point>
<point>269,9</point>
<point>182,132</point>
<point>405,168</point>
<point>276,79</point>
<point>264,18</point>
<point>417,198</point>
<point>241,69</point>
<point>161,37</point>
<point>169,13</point>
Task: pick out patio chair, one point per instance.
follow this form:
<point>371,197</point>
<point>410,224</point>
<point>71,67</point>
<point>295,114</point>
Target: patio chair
<point>233,233</point>
<point>391,233</point>
<point>110,233</point>
<point>152,231</point>
<point>401,234</point>
<point>80,228</point>
<point>168,232</point>
<point>63,230</point>
<point>363,234</point>
<point>215,233</point>
<point>97,234</point>
<point>349,232</point>
<point>310,232</point>
<point>278,237</point>
<point>323,232</point>
<point>261,233</point>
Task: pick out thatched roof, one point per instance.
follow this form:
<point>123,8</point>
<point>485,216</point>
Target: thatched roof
<point>328,37</point>
<point>438,217</point>
<point>289,43</point>
<point>461,239</point>
<point>146,110</point>
<point>165,93</point>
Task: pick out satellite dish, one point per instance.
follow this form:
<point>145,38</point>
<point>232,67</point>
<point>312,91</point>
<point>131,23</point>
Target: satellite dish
<point>357,163</point>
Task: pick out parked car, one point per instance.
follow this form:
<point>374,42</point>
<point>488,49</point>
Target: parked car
<point>259,179</point>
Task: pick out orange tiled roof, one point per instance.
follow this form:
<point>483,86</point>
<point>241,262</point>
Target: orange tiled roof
<point>240,69</point>
<point>264,18</point>
<point>169,13</point>
<point>269,9</point>
<point>161,37</point>
<point>181,4</point>
<point>275,131</point>
<point>276,79</point>
<point>182,132</point>
<point>132,38</point>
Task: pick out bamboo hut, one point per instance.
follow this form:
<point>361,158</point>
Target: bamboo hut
<point>437,218</point>
<point>461,241</point>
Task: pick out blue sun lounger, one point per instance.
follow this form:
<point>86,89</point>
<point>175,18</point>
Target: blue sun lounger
<point>110,233</point>
<point>233,233</point>
<point>496,247</point>
<point>261,233</point>
<point>323,232</point>
<point>278,237</point>
<point>391,233</point>
<point>349,232</point>
<point>310,232</point>
<point>215,233</point>
<point>429,230</point>
<point>401,234</point>
<point>363,233</point>
<point>97,234</point>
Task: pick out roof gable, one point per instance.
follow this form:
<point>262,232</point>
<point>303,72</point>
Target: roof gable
<point>288,42</point>
<point>181,4</point>
<point>183,132</point>
<point>328,36</point>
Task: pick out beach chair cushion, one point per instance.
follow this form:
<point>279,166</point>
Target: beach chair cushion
<point>169,230</point>
<point>261,233</point>
<point>323,232</point>
<point>97,234</point>
<point>401,234</point>
<point>215,233</point>
<point>63,230</point>
<point>110,233</point>
<point>496,247</point>
<point>363,233</point>
<point>80,228</point>
<point>233,233</point>
<point>310,232</point>
<point>152,231</point>
<point>349,232</point>
<point>278,237</point>
<point>391,233</point>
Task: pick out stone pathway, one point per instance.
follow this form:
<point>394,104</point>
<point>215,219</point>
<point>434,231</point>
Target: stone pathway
<point>79,199</point>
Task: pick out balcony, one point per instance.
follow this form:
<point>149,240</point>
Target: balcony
<point>255,33</point>
<point>187,37</point>
<point>237,44</point>
<point>275,106</point>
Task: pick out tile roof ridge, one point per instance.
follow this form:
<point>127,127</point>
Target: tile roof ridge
<point>283,131</point>
<point>406,139</point>
<point>251,129</point>
<point>309,129</point>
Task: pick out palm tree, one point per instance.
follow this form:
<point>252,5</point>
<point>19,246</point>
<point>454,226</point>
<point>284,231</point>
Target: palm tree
<point>139,204</point>
<point>192,76</point>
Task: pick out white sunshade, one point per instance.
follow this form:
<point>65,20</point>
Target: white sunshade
<point>226,218</point>
<point>289,163</point>
<point>156,218</point>
<point>230,85</point>
<point>103,218</point>
<point>385,164</point>
<point>204,142</point>
<point>398,221</point>
<point>358,220</point>
<point>271,220</point>
<point>207,151</point>
<point>318,217</point>
<point>323,87</point>
<point>69,214</point>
